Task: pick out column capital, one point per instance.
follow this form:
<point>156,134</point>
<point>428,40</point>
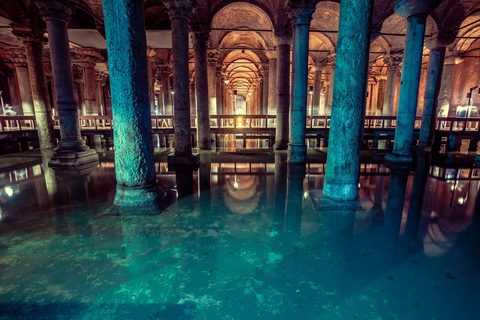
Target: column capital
<point>200,40</point>
<point>271,55</point>
<point>60,10</point>
<point>180,9</point>
<point>164,70</point>
<point>393,59</point>
<point>331,58</point>
<point>212,57</point>
<point>301,11</point>
<point>77,74</point>
<point>17,56</point>
<point>101,78</point>
<point>29,34</point>
<point>282,36</point>
<point>319,67</point>
<point>88,57</point>
<point>407,8</point>
<point>440,39</point>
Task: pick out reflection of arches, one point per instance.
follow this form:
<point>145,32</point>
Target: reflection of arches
<point>242,193</point>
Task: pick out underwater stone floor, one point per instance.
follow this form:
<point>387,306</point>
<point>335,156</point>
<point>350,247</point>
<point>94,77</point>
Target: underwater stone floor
<point>267,249</point>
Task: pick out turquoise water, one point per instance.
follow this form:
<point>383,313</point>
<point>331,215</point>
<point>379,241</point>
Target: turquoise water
<point>242,237</point>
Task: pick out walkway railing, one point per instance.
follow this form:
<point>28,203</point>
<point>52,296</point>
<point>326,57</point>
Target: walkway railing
<point>450,124</point>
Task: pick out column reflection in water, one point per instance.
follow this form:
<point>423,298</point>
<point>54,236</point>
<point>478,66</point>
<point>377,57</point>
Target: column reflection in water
<point>280,189</point>
<point>184,181</point>
<point>294,205</point>
<point>393,212</point>
<point>205,172</point>
<point>474,236</point>
<point>416,196</point>
<point>76,182</point>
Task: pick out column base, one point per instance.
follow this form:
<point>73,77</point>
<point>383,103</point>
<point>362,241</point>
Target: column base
<point>423,148</point>
<point>280,145</point>
<point>72,159</point>
<point>340,192</point>
<point>138,196</point>
<point>75,172</point>
<point>324,203</point>
<point>189,160</point>
<point>398,162</point>
<point>297,153</point>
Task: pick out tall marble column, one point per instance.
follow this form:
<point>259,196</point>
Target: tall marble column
<point>33,41</point>
<point>180,12</point>
<point>19,59</point>
<point>317,89</point>
<point>193,98</point>
<point>200,38</point>
<point>416,12</point>
<point>12,89</point>
<point>346,125</point>
<point>71,150</point>
<point>301,16</point>
<point>331,61</point>
<point>132,131</point>
<point>151,78</point>
<point>272,82</point>
<point>100,81</point>
<point>446,86</point>
<point>392,60</point>
<point>283,40</point>
<point>164,73</point>
<point>218,89</point>
<point>211,71</point>
<point>437,45</point>
<point>382,84</point>
<point>88,59</point>
<point>265,88</point>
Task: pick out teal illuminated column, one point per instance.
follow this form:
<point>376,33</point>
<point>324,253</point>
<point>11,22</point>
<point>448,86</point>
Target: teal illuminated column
<point>437,45</point>
<point>180,12</point>
<point>132,132</point>
<point>346,124</point>
<point>282,42</point>
<point>71,150</point>
<point>200,38</point>
<point>301,15</point>
<point>416,12</point>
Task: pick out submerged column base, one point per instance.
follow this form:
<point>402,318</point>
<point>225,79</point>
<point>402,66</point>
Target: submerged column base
<point>188,160</point>
<point>340,192</point>
<point>138,196</point>
<point>297,153</point>
<point>68,158</point>
<point>280,145</point>
<point>399,158</point>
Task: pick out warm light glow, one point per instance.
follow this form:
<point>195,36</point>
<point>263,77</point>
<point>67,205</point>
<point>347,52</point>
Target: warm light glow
<point>235,185</point>
<point>9,191</point>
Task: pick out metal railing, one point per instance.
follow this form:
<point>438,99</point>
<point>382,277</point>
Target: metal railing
<point>444,124</point>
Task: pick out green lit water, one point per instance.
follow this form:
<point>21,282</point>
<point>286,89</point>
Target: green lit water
<point>238,240</point>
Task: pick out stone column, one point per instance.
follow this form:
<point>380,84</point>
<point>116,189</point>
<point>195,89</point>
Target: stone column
<point>282,41</point>
<point>71,150</point>
<point>265,88</point>
<point>416,12</point>
<point>78,80</point>
<point>272,82</point>
<point>331,61</point>
<point>437,46</point>
<point>132,130</point>
<point>317,89</point>
<point>301,16</point>
<point>218,89</point>
<point>100,80</point>
<point>151,78</point>
<point>12,89</point>
<point>211,71</point>
<point>392,60</point>
<point>88,58</point>
<point>33,41</point>
<point>346,125</point>
<point>193,98</point>
<point>19,60</point>
<point>180,12</point>
<point>382,83</point>
<point>446,86</point>
<point>165,79</point>
<point>200,38</point>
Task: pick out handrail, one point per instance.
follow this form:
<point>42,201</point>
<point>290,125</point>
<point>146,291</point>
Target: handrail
<point>254,121</point>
